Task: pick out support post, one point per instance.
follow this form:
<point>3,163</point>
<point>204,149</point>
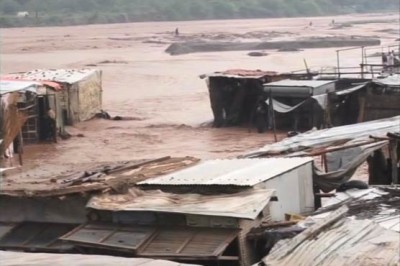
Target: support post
<point>393,156</point>
<point>20,148</point>
<point>338,63</point>
<point>271,103</point>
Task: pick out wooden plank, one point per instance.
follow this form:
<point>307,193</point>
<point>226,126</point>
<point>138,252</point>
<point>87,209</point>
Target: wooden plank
<point>333,149</point>
<point>361,114</point>
<point>137,165</point>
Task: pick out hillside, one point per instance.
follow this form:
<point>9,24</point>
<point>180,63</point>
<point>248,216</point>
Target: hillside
<point>74,12</point>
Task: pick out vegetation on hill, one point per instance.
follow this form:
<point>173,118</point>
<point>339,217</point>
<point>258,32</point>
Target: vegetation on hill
<point>74,12</point>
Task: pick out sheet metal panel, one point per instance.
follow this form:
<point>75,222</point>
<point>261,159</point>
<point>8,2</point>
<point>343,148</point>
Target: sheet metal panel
<point>36,236</point>
<point>40,259</point>
<point>350,134</point>
<point>110,236</point>
<point>90,96</point>
<point>381,213</point>
<point>234,172</point>
<point>299,83</point>
<point>247,204</point>
<point>299,88</point>
<point>68,76</point>
<point>188,242</point>
<point>154,242</point>
<point>242,74</point>
<point>7,86</point>
<point>347,242</point>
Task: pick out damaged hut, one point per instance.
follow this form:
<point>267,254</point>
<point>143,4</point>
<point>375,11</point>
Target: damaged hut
<point>201,214</point>
<point>342,237</point>
<point>341,151</point>
<point>298,104</point>
<point>24,117</point>
<point>166,209</point>
<point>80,94</point>
<point>235,94</point>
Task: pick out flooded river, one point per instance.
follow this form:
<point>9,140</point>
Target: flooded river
<point>163,95</point>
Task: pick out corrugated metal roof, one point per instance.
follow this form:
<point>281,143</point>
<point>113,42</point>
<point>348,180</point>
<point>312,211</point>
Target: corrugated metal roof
<point>247,204</point>
<point>243,74</point>
<point>299,83</point>
<point>382,213</point>
<point>346,242</point>
<point>155,242</point>
<point>69,76</point>
<point>7,86</point>
<point>235,172</point>
<point>40,259</point>
<point>350,134</point>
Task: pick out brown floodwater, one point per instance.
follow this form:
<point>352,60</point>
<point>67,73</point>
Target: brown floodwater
<point>163,94</point>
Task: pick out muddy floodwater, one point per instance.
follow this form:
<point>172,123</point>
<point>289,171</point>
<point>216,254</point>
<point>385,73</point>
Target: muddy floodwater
<point>162,95</point>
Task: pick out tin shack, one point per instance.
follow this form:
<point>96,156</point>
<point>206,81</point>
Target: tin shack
<point>235,93</point>
<point>81,91</point>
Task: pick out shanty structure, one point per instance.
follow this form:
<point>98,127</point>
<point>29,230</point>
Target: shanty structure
<point>80,94</point>
<point>289,177</point>
<point>364,100</point>
<point>130,209</point>
<point>338,240</point>
<point>298,103</point>
<point>33,99</point>
<point>380,204</point>
<point>343,149</point>
<point>235,94</point>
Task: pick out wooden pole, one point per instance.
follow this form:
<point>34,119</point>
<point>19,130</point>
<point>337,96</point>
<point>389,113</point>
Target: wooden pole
<point>273,115</point>
<point>393,156</point>
<point>20,148</point>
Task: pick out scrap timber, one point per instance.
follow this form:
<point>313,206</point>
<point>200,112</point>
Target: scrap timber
<point>96,178</point>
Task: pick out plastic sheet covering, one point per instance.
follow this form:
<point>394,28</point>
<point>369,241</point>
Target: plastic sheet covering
<point>280,107</point>
<point>333,179</point>
<point>283,108</point>
<point>391,81</point>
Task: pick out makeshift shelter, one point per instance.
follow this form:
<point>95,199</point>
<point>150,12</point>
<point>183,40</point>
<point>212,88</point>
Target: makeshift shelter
<point>111,208</point>
<point>33,99</point>
<point>343,150</point>
<point>235,94</point>
<point>81,93</point>
<point>337,240</point>
<point>298,103</point>
<point>289,177</point>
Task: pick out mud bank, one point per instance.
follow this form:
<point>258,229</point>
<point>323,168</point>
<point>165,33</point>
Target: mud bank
<point>329,42</point>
